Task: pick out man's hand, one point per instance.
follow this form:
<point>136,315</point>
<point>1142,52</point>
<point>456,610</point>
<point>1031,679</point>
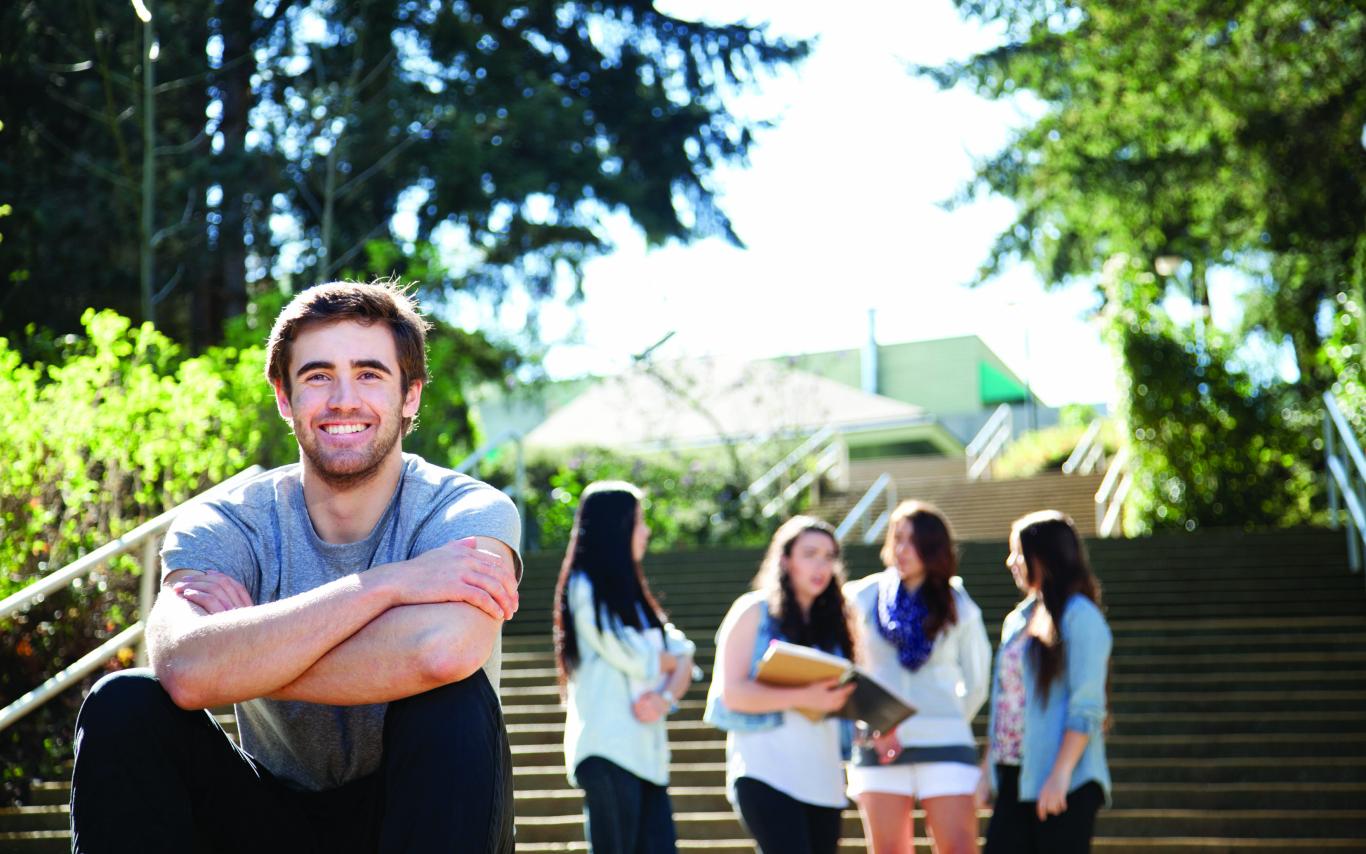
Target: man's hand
<point>650,707</point>
<point>211,592</point>
<point>458,572</point>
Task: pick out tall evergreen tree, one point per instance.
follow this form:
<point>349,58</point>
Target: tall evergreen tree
<point>289,133</point>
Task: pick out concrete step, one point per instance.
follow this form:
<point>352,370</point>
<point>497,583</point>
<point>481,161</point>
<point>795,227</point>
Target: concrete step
<point>1190,727</point>
<point>1118,747</point>
<point>1133,823</point>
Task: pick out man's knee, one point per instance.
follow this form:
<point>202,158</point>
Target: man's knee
<point>124,702</point>
<point>459,723</point>
<point>471,701</point>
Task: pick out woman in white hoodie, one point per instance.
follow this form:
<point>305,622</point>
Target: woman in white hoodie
<point>922,636</point>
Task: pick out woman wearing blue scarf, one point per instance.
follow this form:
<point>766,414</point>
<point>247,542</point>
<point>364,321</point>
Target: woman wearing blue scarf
<point>923,637</point>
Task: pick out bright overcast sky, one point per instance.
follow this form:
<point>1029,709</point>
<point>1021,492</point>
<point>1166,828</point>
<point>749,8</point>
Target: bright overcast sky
<point>839,211</point>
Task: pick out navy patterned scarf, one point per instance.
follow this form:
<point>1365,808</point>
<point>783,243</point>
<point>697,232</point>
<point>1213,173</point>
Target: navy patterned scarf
<point>901,620</point>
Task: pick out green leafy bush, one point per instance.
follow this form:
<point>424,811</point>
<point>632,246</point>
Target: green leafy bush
<point>691,499</point>
<point>1047,449</point>
<point>1212,446</point>
<point>118,427</point>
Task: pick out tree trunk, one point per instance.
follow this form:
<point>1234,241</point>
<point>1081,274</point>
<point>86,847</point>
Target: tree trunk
<point>234,84</point>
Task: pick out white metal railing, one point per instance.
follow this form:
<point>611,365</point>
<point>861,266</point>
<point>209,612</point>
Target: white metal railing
<point>145,536</point>
<point>1089,452</point>
<point>1114,488</point>
<point>821,453</point>
<point>1346,478</point>
<point>830,459</point>
<point>987,445</point>
<point>884,487</point>
<point>519,483</point>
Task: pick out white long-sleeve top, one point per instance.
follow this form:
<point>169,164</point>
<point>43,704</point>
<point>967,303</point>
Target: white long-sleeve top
<point>613,666</point>
<point>949,689</point>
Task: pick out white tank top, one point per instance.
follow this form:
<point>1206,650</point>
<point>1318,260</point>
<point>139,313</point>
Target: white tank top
<point>801,759</point>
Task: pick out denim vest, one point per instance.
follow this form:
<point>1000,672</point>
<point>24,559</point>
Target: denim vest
<point>721,717</point>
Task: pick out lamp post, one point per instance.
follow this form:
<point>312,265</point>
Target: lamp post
<point>150,49</point>
<point>1029,389</point>
<point>1027,370</point>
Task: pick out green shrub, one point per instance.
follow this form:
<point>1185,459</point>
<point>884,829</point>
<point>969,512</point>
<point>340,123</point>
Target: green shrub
<point>691,499</point>
<point>1047,449</point>
<point>117,428</point>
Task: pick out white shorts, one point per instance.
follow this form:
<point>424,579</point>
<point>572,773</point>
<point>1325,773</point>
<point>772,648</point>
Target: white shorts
<point>919,780</point>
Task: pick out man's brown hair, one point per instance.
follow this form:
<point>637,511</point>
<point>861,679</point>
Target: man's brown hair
<point>383,300</point>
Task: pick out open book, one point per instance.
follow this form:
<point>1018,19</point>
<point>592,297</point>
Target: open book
<point>791,665</point>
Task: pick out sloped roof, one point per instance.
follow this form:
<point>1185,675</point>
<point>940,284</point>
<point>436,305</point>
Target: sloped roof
<point>699,402</point>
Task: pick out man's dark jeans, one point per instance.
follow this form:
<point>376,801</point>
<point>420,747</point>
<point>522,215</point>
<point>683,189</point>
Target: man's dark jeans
<point>623,814</point>
<point>151,777</point>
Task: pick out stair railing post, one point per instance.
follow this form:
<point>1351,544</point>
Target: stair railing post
<point>1329,452</point>
<point>147,588</point>
<point>1355,531</point>
<point>520,482</point>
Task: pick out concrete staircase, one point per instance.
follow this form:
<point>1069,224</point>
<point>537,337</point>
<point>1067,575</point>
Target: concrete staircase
<point>979,510</point>
<point>1239,695</point>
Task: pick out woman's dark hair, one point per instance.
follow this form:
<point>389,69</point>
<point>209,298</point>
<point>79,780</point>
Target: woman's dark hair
<point>1056,566</point>
<point>828,624</point>
<point>933,541</point>
<point>600,547</point>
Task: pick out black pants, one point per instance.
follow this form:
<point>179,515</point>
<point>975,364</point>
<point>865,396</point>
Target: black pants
<point>781,824</point>
<point>623,814</point>
<point>151,777</point>
<point>1015,825</point>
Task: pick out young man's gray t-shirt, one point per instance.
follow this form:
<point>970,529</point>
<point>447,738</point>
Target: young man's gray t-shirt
<point>260,534</point>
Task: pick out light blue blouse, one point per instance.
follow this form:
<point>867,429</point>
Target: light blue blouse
<point>1076,701</point>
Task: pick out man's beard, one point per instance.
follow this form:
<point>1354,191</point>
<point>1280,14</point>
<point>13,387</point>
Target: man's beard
<point>354,468</point>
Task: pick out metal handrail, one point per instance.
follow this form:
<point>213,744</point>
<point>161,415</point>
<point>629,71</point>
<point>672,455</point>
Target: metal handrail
<point>989,442</point>
<point>787,463</point>
<point>828,459</point>
<point>884,483</point>
<point>519,483</point>
<point>1347,475</point>
<point>1114,488</point>
<point>145,536</point>
<point>1088,452</point>
<point>82,566</point>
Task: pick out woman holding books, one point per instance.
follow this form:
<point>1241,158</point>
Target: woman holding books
<point>783,770</point>
<point>922,636</point>
<point>1046,760</point>
<point>622,670</point>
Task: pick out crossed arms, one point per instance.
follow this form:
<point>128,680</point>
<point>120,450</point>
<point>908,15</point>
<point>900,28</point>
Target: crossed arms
<point>393,631</point>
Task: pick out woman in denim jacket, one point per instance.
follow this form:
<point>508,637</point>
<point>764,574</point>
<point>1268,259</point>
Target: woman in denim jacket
<point>622,670</point>
<point>1046,760</point>
<point>783,771</point>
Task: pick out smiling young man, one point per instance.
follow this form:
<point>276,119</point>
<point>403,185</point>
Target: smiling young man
<point>349,606</point>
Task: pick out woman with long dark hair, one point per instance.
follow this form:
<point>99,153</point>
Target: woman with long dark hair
<point>1046,760</point>
<point>623,668</point>
<point>783,771</point>
<point>922,636</point>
